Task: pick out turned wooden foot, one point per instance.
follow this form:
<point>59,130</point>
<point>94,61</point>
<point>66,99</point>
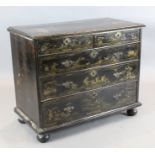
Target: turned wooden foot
<point>43,137</point>
<point>131,112</point>
<point>21,121</point>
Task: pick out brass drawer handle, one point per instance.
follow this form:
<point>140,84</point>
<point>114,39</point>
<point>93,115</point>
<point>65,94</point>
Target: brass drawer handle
<point>93,73</point>
<point>66,41</point>
<point>93,54</point>
<point>118,35</point>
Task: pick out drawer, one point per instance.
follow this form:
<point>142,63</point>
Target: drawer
<point>59,63</point>
<point>64,44</point>
<point>74,82</point>
<point>116,37</point>
<point>58,112</point>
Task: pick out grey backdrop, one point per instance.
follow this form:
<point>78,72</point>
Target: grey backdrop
<point>115,131</point>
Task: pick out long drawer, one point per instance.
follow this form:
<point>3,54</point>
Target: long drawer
<point>58,112</point>
<point>60,63</point>
<point>74,82</point>
<point>74,43</point>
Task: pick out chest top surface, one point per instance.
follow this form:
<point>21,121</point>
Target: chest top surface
<point>74,27</point>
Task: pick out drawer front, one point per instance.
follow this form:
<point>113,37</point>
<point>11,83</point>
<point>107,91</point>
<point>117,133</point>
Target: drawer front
<point>59,63</point>
<point>64,44</point>
<point>74,82</point>
<point>58,112</point>
<point>116,37</point>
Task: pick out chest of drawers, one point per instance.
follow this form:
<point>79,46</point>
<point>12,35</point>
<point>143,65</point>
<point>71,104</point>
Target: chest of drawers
<point>71,72</point>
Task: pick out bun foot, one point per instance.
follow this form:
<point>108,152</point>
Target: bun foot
<point>43,137</point>
<point>20,120</point>
<point>131,112</point>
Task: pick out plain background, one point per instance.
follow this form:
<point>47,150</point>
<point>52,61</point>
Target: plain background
<point>114,131</point>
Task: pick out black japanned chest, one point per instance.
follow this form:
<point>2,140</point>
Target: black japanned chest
<point>68,73</point>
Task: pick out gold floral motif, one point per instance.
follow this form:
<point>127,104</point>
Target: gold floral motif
<point>50,115</point>
<point>57,114</point>
<point>86,81</point>
<point>129,74</point>
<point>67,63</point>
<point>77,62</point>
<point>118,55</point>
<point>118,74</point>
<point>54,68</point>
<point>106,58</point>
<point>89,42</point>
<point>98,80</point>
<point>117,96</point>
<point>69,85</point>
<point>134,36</point>
<point>100,41</point>
<point>128,68</point>
<point>100,61</point>
<point>104,79</point>
<point>132,53</point>
<point>49,90</point>
<point>94,94</point>
<point>44,47</point>
<point>46,68</point>
<point>69,109</point>
<point>114,59</point>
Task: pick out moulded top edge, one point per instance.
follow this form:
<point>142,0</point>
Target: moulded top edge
<point>73,28</point>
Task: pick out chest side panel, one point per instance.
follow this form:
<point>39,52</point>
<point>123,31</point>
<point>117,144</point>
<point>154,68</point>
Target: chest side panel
<point>24,67</point>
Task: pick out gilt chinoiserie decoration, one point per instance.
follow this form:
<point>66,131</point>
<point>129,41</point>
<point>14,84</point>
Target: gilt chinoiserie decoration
<point>71,72</point>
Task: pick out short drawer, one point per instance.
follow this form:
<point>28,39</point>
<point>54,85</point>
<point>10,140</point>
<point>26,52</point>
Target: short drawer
<point>116,37</point>
<point>69,109</point>
<point>64,44</point>
<point>61,85</point>
<point>60,63</point>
